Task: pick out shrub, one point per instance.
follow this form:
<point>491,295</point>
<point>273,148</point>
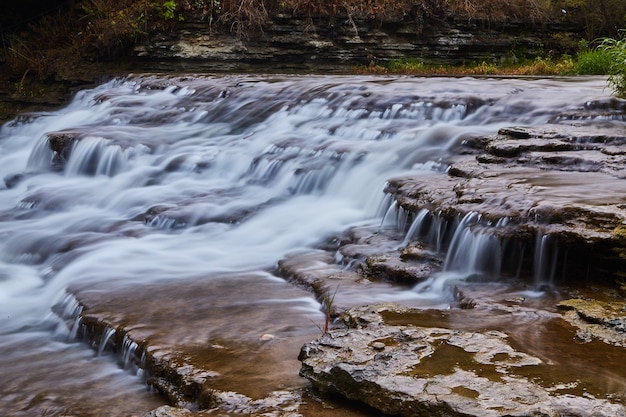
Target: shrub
<point>616,50</point>
<point>594,62</point>
<point>591,60</point>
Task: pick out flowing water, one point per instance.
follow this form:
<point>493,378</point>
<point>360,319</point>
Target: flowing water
<point>193,178</point>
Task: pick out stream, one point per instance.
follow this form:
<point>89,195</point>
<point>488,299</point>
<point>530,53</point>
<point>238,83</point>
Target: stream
<point>179,181</point>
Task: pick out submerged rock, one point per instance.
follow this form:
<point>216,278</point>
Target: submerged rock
<point>412,370</point>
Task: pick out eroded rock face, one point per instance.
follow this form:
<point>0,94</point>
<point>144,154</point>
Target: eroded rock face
<point>429,371</point>
<point>301,43</point>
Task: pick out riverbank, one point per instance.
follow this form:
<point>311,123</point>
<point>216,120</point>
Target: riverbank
<point>86,43</point>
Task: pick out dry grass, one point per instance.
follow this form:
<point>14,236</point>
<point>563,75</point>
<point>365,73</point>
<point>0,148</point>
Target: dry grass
<point>499,11</point>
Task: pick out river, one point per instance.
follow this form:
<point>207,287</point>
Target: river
<point>201,178</point>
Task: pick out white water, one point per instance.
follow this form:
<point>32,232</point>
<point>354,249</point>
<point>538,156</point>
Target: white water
<point>185,178</point>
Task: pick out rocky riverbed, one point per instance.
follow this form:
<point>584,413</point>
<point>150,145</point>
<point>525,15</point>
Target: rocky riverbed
<point>497,248</point>
<point>560,183</point>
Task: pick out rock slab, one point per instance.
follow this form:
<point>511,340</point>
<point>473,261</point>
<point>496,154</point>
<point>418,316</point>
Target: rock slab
<point>429,371</point>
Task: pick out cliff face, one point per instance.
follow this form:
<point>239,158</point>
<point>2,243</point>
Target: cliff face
<point>289,43</point>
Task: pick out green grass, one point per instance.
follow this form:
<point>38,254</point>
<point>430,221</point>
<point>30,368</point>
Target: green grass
<point>538,66</point>
<point>608,57</point>
<point>592,61</point>
<point>616,49</point>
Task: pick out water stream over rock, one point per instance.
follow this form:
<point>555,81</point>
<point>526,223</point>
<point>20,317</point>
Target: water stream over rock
<point>188,227</point>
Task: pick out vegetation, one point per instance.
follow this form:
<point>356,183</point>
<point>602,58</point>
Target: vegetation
<point>538,66</point>
<point>328,305</point>
<point>56,46</point>
<point>592,60</point>
<point>599,60</point>
<point>606,56</point>
<point>616,51</point>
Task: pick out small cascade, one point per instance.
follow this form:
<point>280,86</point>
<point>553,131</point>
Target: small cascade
<point>263,171</point>
<point>312,180</point>
<point>545,261</point>
<point>108,333</point>
<point>475,250</point>
<point>70,314</point>
<point>95,156</point>
<point>396,218</point>
<point>165,222</point>
<point>128,356</point>
<point>390,216</point>
<point>402,219</point>
<point>415,231</point>
<point>437,236</point>
<point>41,156</point>
<point>384,205</point>
<point>426,226</point>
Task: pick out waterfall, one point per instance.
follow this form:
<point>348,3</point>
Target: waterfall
<point>415,231</point>
<point>545,260</point>
<point>192,178</point>
<point>108,333</point>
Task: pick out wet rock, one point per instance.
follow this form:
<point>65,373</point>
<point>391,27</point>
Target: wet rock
<point>392,267</point>
<point>605,320</point>
<point>169,411</point>
<point>379,254</point>
<point>556,180</point>
<point>61,144</point>
<point>429,371</point>
<point>358,267</point>
<point>318,272</point>
<point>215,366</point>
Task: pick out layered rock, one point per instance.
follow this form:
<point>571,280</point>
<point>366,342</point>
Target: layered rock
<point>202,344</point>
<point>557,182</point>
<point>297,43</point>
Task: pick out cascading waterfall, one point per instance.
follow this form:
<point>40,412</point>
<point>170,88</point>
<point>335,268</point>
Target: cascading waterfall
<point>95,156</point>
<point>188,178</point>
<point>473,249</point>
<point>545,259</point>
<point>109,332</point>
